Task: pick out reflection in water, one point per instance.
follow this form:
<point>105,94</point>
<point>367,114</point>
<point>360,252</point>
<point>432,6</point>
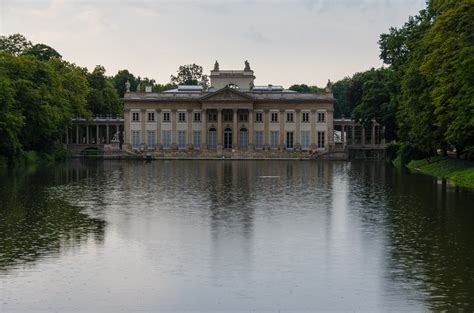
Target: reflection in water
<point>237,235</point>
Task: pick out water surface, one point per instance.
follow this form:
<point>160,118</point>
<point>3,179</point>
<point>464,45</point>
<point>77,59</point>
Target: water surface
<point>233,236</point>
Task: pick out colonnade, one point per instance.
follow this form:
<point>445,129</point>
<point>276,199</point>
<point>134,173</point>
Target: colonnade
<point>92,134</point>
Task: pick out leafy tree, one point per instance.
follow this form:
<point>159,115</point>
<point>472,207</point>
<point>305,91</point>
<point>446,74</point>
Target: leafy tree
<point>14,44</point>
<point>343,106</point>
<point>42,52</point>
<point>103,97</point>
<point>190,74</point>
<point>304,88</point>
<point>11,121</point>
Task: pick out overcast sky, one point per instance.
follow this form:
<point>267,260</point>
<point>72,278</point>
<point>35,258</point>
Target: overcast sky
<point>286,42</point>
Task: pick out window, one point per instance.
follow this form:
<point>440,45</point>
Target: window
<point>166,117</point>
<point>211,139</point>
<point>181,139</point>
<point>305,117</point>
<point>290,117</point>
<point>197,116</point>
<point>258,139</point>
<point>135,116</point>
<point>181,117</point>
<point>321,139</point>
<point>212,117</point>
<point>166,138</point>
<point>274,139</point>
<point>135,139</point>
<point>274,117</point>
<point>289,140</point>
<point>258,117</point>
<point>243,117</point>
<point>151,139</point>
<point>244,138</point>
<point>305,139</point>
<point>321,117</point>
<point>151,116</point>
<point>228,116</point>
<point>197,139</point>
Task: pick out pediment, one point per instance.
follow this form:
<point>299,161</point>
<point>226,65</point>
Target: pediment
<point>227,94</point>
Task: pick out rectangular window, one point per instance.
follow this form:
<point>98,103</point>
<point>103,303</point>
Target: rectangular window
<point>274,139</point>
<point>228,116</point>
<point>181,139</point>
<point>259,139</point>
<point>321,117</point>
<point>305,117</point>
<point>197,139</point>
<point>151,139</point>
<point>135,116</point>
<point>290,117</point>
<point>197,117</point>
<point>166,117</point>
<point>320,139</point>
<point>258,117</point>
<point>274,117</point>
<point>305,139</point>
<point>289,140</point>
<point>212,117</point>
<point>181,117</point>
<point>135,139</point>
<point>243,117</point>
<point>151,116</point>
<point>166,138</point>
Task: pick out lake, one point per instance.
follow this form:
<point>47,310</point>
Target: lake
<point>115,236</point>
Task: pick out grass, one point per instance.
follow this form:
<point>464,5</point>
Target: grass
<point>458,171</point>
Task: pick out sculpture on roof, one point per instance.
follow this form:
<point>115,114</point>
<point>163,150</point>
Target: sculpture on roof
<point>216,66</point>
<point>247,66</point>
<point>328,86</point>
<point>127,86</point>
<point>139,87</point>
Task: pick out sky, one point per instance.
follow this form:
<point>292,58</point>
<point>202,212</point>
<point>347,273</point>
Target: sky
<point>286,42</point>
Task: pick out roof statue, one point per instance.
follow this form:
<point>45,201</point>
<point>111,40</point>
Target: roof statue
<point>328,86</point>
<point>127,86</point>
<point>247,66</point>
<point>216,66</point>
<point>139,87</point>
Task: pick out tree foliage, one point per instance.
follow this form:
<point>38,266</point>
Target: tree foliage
<point>305,88</point>
<point>14,44</point>
<point>190,74</point>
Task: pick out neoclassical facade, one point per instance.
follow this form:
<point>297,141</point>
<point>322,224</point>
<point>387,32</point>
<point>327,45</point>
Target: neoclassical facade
<point>231,116</point>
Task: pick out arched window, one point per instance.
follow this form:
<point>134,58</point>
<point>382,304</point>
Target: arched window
<point>243,138</point>
<point>212,139</point>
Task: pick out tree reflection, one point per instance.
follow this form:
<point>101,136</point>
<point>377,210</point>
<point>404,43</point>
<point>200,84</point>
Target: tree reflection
<point>35,223</point>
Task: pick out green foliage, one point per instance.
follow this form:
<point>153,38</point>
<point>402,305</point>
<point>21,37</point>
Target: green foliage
<point>409,152</point>
<point>305,88</point>
<point>102,97</point>
<point>459,171</point>
<point>42,52</point>
<point>391,151</point>
<point>14,44</point>
<point>343,107</point>
<point>190,74</point>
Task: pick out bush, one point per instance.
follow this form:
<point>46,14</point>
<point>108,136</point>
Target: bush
<point>407,153</point>
<point>391,151</point>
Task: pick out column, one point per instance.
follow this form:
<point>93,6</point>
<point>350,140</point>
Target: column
<point>362,139</point>
<point>372,138</point>
<point>353,134</point>
<point>87,134</point>
<point>314,134</point>
<point>282,129</point>
<point>190,129</point>
<point>158,129</point>
<point>298,130</point>
<point>251,132</point>
<point>142,127</point>
<point>97,137</point>
<point>78,140</point>
<point>126,132</point>
<point>266,130</point>
<point>173,130</point>
<point>330,128</point>
<point>204,129</point>
<point>219,129</point>
<point>107,134</point>
<point>235,131</point>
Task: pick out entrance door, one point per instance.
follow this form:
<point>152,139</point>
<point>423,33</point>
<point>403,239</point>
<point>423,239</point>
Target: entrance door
<point>228,138</point>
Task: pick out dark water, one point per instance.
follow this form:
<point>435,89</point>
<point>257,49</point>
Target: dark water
<point>233,236</point>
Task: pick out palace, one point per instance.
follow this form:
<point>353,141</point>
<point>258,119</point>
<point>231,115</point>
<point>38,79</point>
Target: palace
<point>232,115</point>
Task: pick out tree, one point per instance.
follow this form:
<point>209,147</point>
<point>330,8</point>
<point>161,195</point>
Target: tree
<point>103,97</point>
<point>304,88</point>
<point>42,52</point>
<point>14,44</point>
<point>190,74</point>
<point>11,121</point>
<point>343,106</point>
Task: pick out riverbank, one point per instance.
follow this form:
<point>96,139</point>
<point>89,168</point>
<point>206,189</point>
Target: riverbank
<point>458,171</point>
